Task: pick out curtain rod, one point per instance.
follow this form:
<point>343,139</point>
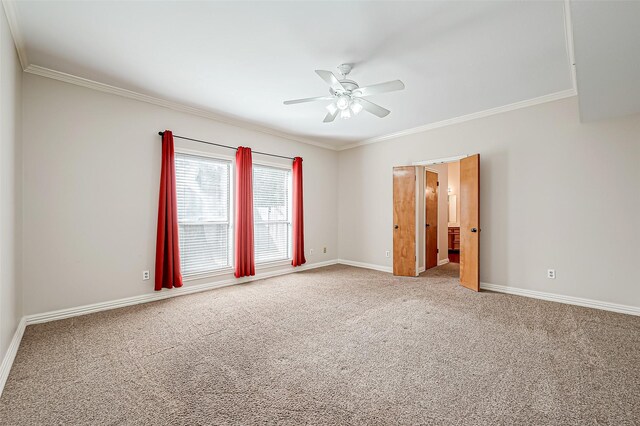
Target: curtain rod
<point>226,146</point>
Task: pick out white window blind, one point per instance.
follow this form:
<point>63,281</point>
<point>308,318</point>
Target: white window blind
<point>202,185</point>
<point>271,213</point>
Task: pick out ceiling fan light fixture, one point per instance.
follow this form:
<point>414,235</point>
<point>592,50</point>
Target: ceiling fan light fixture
<point>343,102</point>
<point>332,108</point>
<point>356,107</point>
<point>345,113</point>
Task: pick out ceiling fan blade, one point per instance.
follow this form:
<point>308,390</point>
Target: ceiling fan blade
<point>330,117</point>
<point>374,89</point>
<point>373,108</point>
<point>299,101</point>
<point>331,79</point>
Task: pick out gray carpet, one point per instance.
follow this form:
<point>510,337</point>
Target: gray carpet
<point>337,345</point>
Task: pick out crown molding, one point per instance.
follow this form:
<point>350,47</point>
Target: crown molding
<point>176,106</point>
<point>10,10</point>
<point>18,40</point>
<point>461,119</point>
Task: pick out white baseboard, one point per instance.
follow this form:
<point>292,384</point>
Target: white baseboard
<point>443,262</point>
<point>568,300</point>
<point>10,355</point>
<point>366,265</point>
<point>163,294</point>
<point>422,269</point>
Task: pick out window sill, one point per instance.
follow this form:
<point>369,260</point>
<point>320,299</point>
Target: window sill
<point>273,264</point>
<point>217,273</point>
<point>230,271</point>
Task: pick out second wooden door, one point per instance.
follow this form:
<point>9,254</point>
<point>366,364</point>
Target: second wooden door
<point>470,222</point>
<point>431,219</point>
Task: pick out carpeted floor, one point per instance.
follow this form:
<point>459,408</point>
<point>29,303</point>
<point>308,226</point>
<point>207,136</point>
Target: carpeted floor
<point>337,345</point>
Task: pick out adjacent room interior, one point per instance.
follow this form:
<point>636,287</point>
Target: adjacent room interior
<point>287,212</point>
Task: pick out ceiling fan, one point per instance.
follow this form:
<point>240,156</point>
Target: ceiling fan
<point>348,97</point>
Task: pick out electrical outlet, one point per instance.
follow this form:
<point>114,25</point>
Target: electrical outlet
<point>310,252</point>
<point>145,275</point>
<point>324,250</point>
<point>387,253</point>
<point>551,274</point>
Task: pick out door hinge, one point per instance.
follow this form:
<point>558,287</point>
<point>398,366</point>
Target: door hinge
<point>437,250</point>
<point>437,183</point>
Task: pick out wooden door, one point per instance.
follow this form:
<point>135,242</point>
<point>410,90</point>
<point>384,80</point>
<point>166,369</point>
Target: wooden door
<point>470,222</point>
<point>431,219</point>
<point>404,221</point>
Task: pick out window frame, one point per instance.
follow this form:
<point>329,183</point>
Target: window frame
<point>231,239</point>
<point>289,258</point>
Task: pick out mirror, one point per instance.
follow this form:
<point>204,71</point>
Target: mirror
<point>452,209</point>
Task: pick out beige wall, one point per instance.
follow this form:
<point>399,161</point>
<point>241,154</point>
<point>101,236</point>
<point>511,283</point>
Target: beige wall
<point>548,187</point>
<point>10,187</point>
<point>91,177</point>
<point>454,184</point>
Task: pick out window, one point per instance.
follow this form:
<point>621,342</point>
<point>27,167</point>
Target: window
<point>204,227</point>
<point>271,213</point>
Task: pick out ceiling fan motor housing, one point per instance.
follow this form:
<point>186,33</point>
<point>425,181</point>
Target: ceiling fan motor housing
<point>349,86</point>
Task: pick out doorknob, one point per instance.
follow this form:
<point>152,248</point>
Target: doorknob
<point>427,225</point>
<point>474,229</point>
<point>395,226</point>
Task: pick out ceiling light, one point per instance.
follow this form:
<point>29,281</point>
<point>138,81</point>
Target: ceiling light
<point>356,107</point>
<point>345,113</point>
<point>332,108</point>
<point>343,102</point>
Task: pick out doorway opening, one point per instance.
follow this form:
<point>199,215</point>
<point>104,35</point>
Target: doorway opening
<point>437,217</point>
<point>441,212</point>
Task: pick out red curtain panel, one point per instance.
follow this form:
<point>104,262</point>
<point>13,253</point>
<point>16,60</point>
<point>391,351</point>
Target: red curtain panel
<point>167,249</point>
<point>298,216</point>
<point>244,251</point>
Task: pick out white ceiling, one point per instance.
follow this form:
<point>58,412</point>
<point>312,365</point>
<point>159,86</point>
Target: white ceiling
<point>242,59</point>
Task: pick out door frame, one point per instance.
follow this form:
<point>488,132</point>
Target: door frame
<point>424,215</point>
<point>424,164</point>
<point>440,160</point>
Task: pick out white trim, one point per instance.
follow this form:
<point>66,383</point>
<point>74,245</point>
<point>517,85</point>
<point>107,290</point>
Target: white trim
<point>380,268</point>
<point>18,40</point>
<point>10,355</point>
<point>461,119</point>
<point>439,161</point>
<point>163,294</point>
<point>176,106</point>
<point>568,300</point>
<point>443,262</point>
<point>422,269</point>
